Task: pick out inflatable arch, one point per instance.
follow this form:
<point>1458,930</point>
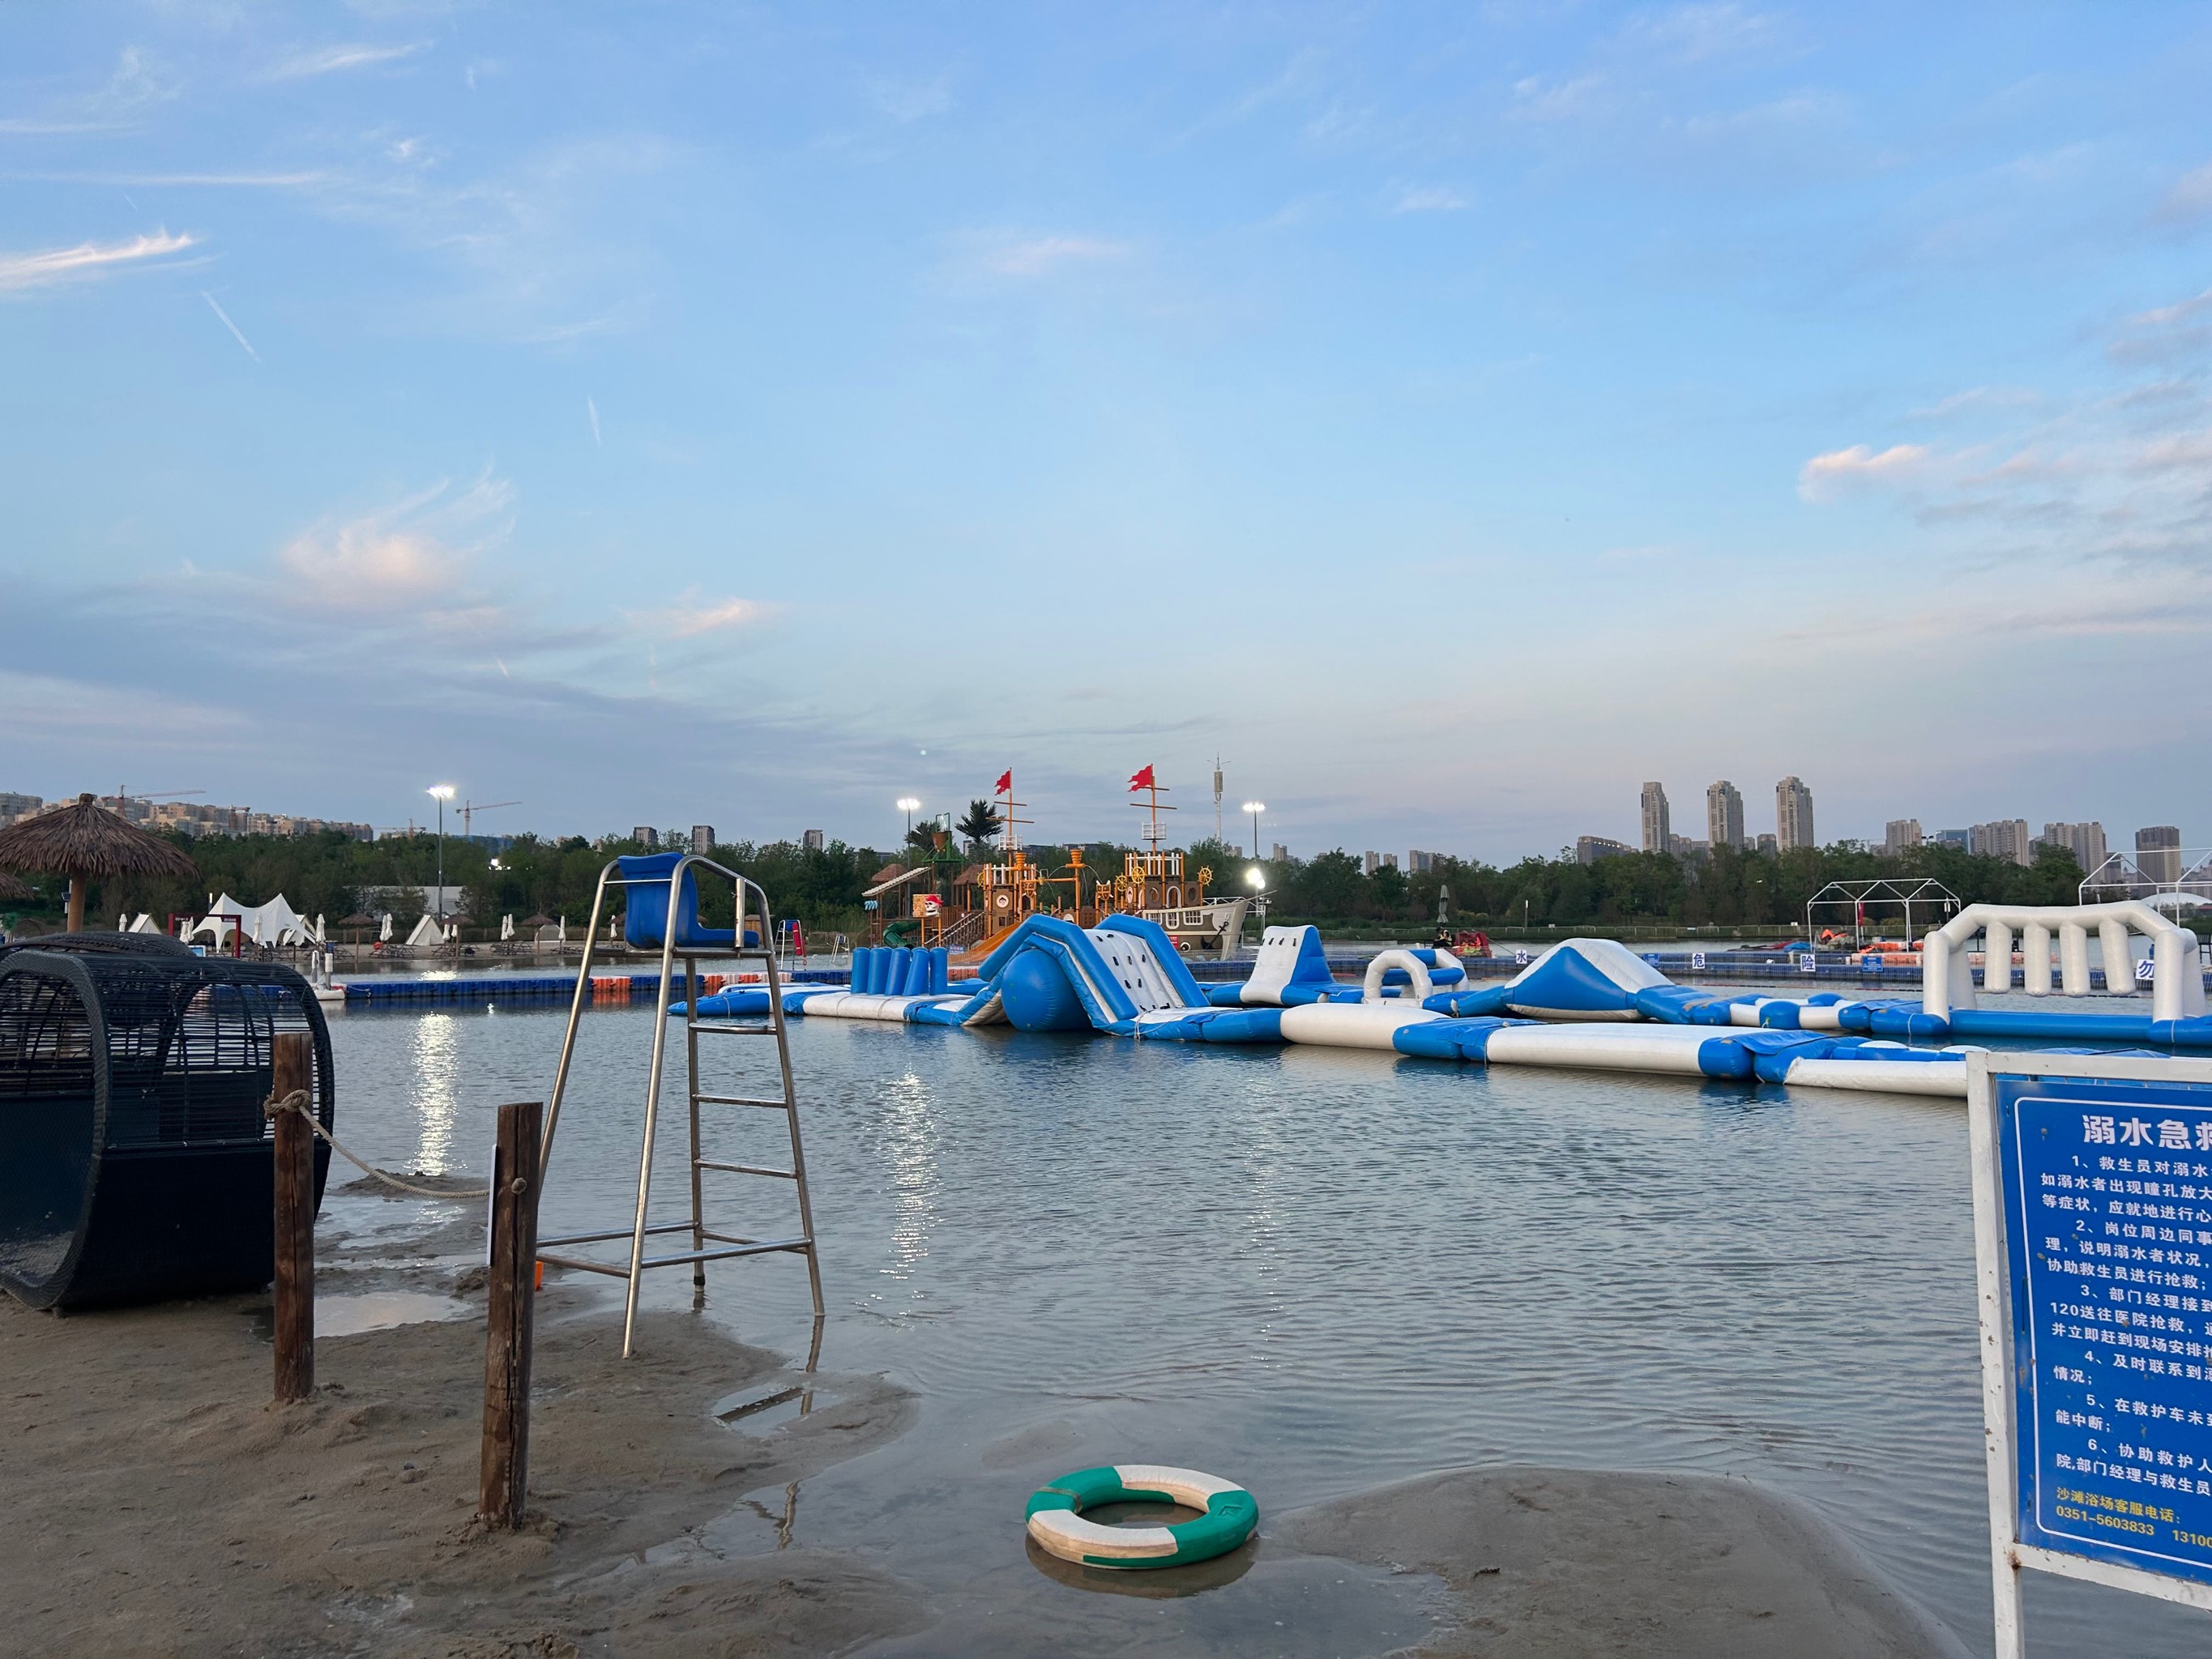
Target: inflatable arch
<point>1947,978</point>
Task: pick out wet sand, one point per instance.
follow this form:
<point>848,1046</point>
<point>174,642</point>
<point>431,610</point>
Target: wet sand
<point>157,1503</point>
<point>1564,1562</point>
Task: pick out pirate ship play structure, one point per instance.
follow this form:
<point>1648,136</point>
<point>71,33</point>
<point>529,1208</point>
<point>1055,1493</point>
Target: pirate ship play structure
<point>970,911</point>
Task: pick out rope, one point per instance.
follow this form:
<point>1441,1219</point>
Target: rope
<point>302,1102</point>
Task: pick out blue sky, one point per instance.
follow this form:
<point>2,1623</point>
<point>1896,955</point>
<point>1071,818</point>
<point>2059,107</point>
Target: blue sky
<point>1452,416</point>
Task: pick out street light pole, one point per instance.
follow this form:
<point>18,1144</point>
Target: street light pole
<point>1255,807</point>
<point>443,793</point>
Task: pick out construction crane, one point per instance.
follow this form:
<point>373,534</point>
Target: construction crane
<point>123,797</point>
<point>470,809</point>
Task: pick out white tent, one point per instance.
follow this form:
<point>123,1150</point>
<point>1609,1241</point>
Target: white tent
<point>427,932</point>
<point>273,923</point>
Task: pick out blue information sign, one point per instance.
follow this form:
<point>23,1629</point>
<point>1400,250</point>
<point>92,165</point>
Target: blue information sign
<point>2107,1192</point>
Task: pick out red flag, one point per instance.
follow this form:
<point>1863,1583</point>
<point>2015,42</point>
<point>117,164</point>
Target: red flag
<point>1143,779</point>
<point>1005,785</point>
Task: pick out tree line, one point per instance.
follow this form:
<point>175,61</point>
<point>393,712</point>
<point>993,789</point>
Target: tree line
<point>823,887</point>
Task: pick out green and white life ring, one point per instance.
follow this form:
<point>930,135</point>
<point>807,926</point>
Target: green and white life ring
<point>1056,1516</point>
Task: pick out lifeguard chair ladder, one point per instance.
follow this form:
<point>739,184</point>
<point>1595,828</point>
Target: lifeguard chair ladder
<point>674,926</point>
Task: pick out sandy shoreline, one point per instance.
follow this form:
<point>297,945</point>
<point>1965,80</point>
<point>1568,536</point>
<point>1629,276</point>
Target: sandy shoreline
<point>157,1505</point>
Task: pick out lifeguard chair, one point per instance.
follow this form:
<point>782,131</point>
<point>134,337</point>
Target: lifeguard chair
<point>661,908</point>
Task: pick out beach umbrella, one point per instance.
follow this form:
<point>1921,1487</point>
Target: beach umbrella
<point>84,840</point>
<point>541,920</point>
<point>11,888</point>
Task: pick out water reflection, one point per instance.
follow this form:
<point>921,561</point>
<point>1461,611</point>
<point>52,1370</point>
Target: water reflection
<point>437,1089</point>
<point>1154,1583</point>
<point>911,1145</point>
<point>759,1412</point>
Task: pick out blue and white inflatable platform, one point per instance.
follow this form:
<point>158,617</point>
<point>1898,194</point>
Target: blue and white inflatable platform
<point>1585,1003</point>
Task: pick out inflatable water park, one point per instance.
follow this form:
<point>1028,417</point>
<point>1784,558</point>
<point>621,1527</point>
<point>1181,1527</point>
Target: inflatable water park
<point>1584,1003</point>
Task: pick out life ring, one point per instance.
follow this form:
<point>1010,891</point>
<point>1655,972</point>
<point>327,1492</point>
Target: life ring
<point>1056,1516</point>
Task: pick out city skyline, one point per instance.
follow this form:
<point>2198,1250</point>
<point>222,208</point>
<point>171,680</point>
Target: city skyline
<point>2153,847</point>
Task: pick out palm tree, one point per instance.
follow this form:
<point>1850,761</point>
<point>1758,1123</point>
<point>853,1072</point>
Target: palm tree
<point>981,824</point>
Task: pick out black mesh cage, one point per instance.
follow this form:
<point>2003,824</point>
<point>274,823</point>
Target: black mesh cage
<point>134,1157</point>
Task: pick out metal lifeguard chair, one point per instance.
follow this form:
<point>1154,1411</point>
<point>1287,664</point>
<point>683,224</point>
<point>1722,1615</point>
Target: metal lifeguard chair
<point>661,907</point>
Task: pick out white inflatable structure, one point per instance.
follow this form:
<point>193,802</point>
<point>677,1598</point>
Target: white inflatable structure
<point>1946,976</point>
<point>273,923</point>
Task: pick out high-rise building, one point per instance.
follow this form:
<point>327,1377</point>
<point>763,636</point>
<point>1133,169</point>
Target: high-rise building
<point>1768,846</point>
<point>2002,838</point>
<point>1419,863</point>
<point>1688,847</point>
<point>2158,851</point>
<point>1657,826</point>
<point>1723,814</point>
<point>645,836</point>
<point>1370,863</point>
<point>702,837</point>
<point>13,806</point>
<point>2085,841</point>
<point>1279,852</point>
<point>1899,836</point>
<point>1793,815</point>
<point>1588,850</point>
<point>812,841</point>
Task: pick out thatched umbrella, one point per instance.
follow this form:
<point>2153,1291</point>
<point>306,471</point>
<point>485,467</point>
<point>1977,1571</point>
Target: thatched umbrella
<point>86,840</point>
<point>355,923</point>
<point>541,920</point>
<point>12,889</point>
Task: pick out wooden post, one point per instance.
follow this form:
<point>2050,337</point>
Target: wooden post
<point>506,1460</point>
<point>293,1067</point>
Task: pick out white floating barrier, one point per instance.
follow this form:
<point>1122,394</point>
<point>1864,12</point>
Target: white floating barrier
<point>1353,1024</point>
<point>1942,1078</point>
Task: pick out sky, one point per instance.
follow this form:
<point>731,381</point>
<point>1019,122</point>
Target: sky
<point>1449,416</point>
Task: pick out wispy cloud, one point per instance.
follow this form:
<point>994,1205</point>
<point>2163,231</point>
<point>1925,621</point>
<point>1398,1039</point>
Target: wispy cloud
<point>908,100</point>
<point>412,556</point>
<point>2117,477</point>
<point>135,82</point>
<point>1699,33</point>
<point>1978,399</point>
<point>1827,477</point>
<point>329,60</point>
<point>233,327</point>
<point>592,409</point>
<point>2181,330</point>
<point>1005,253</point>
<point>2191,199</point>
<point>1535,98</point>
<point>692,616</point>
<point>520,240</point>
<point>1427,198</point>
<point>21,271</point>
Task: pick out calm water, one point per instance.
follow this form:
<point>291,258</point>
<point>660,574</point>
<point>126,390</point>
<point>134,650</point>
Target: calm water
<point>1311,1271</point>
